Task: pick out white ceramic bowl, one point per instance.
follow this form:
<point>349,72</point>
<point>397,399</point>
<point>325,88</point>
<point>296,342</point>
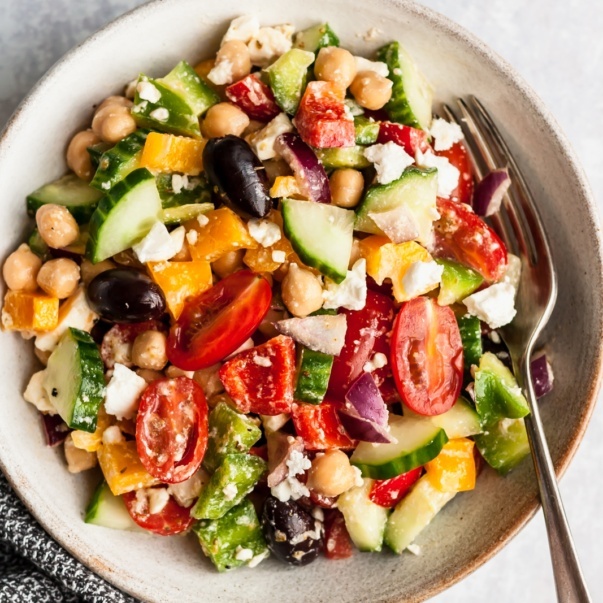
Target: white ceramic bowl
<point>474,525</point>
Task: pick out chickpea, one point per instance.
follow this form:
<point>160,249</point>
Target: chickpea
<point>59,277</point>
<point>237,54</point>
<point>371,90</point>
<point>42,355</point>
<point>149,375</point>
<point>149,350</point>
<point>56,225</point>
<point>113,122</point>
<point>173,371</point>
<point>301,291</point>
<point>346,187</point>
<point>184,255</point>
<point>21,269</point>
<point>78,158</point>
<point>115,101</point>
<point>331,474</point>
<point>89,270</point>
<point>223,119</point>
<point>227,264</point>
<point>335,65</point>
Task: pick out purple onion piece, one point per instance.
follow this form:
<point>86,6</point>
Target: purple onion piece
<point>542,376</point>
<point>490,191</point>
<point>365,399</point>
<point>55,429</point>
<point>309,172</point>
<point>359,428</point>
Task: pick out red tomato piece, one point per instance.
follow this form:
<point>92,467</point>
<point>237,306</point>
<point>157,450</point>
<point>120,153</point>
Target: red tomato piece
<point>217,322</point>
<point>462,235</point>
<point>321,119</point>
<point>262,379</point>
<point>338,544</point>
<point>171,428</point>
<point>319,426</point>
<point>118,340</point>
<point>389,492</point>
<point>172,519</point>
<point>367,334</point>
<point>458,156</point>
<point>427,356</point>
<point>254,97</point>
<point>409,138</point>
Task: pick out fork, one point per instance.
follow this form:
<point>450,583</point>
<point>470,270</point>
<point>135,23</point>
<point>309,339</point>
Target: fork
<point>520,226</point>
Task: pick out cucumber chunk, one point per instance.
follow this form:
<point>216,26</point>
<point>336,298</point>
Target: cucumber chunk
<point>37,244</point>
<point>316,37</point>
<point>75,380</point>
<point>196,191</point>
<point>116,163</point>
<point>109,511</point>
<point>412,95</point>
<point>470,329</point>
<point>367,130</point>
<point>343,157</point>
<point>416,190</point>
<point>364,520</point>
<point>461,421</point>
<point>313,373</point>
<point>419,440</point>
<point>71,192</point>
<point>504,444</point>
<point>287,77</point>
<point>321,235</point>
<point>96,152</point>
<point>414,513</point>
<point>196,93</point>
<point>458,282</point>
<point>124,216</point>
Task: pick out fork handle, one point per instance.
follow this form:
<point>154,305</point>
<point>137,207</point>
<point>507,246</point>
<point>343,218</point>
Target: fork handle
<point>569,580</point>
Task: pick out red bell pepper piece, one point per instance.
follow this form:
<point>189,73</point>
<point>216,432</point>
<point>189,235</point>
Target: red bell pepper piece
<point>320,427</point>
<point>389,492</point>
<point>410,139</point>
<point>254,97</point>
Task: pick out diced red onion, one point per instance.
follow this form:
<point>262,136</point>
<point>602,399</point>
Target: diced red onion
<point>542,376</point>
<point>365,399</point>
<point>490,191</point>
<point>364,429</point>
<point>309,172</point>
<point>55,429</point>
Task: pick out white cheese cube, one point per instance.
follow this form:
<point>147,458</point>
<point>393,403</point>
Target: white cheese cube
<point>351,292</point>
<point>448,174</point>
<point>123,392</point>
<point>390,161</point>
<point>221,74</point>
<point>262,141</point>
<point>421,277</point>
<point>243,28</point>
<point>445,134</point>
<point>378,67</point>
<point>265,232</point>
<point>159,245</point>
<point>187,491</point>
<point>269,44</point>
<point>494,305</point>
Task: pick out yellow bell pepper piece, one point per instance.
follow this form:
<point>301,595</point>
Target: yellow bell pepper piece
<point>122,468</point>
<point>91,442</point>
<point>453,470</point>
<point>261,259</point>
<point>25,311</point>
<point>285,186</point>
<point>169,153</point>
<point>180,281</point>
<point>223,232</point>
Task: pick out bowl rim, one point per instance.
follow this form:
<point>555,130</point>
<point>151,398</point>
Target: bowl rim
<point>449,26</point>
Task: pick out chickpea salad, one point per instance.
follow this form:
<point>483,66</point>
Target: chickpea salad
<point>266,299</point>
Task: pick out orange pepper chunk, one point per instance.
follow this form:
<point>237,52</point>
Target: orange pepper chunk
<point>262,259</point>
<point>25,311</point>
<point>91,442</point>
<point>453,470</point>
<point>223,232</point>
<point>169,153</point>
<point>180,281</point>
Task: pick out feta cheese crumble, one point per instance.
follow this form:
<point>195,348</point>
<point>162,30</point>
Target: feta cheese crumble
<point>389,159</point>
<point>350,293</point>
<point>146,91</point>
<point>448,174</point>
<point>179,182</point>
<point>269,43</point>
<point>202,220</point>
<point>123,391</point>
<point>266,233</point>
<point>230,491</point>
<point>221,74</point>
<point>379,360</point>
<point>262,361</point>
<point>421,277</point>
<point>113,435</point>
<point>415,549</point>
<point>242,554</point>
<point>278,256</point>
<point>159,245</point>
<point>158,499</point>
<point>494,305</point>
<point>160,114</point>
<point>512,274</point>
<point>187,491</point>
<point>243,28</point>
<point>378,67</point>
<point>291,487</point>
<point>262,141</point>
<point>445,134</point>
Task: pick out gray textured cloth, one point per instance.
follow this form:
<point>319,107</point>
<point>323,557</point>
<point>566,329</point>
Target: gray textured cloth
<point>35,569</point>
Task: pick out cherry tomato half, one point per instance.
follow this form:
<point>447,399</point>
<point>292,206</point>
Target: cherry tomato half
<point>217,322</point>
<point>171,428</point>
<point>172,519</point>
<point>427,356</point>
<point>457,155</point>
<point>462,235</point>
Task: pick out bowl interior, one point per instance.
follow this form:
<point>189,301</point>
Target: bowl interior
<point>474,525</point>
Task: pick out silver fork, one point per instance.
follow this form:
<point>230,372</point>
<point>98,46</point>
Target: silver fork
<point>520,226</point>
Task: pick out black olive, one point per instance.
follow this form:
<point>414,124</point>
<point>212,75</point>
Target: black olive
<point>232,167</point>
<point>292,534</point>
<point>125,295</point>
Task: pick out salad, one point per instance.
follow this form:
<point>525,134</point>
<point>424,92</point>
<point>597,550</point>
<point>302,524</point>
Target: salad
<point>266,301</point>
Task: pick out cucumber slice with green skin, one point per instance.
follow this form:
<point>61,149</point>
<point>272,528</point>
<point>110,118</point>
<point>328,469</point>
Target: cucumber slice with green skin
<point>313,373</point>
<point>178,215</point>
<point>287,77</point>
<point>222,539</point>
<point>470,329</point>
<point>504,444</point>
<point>232,481</point>
<point>96,152</point>
<point>497,394</point>
<point>170,113</point>
<point>316,37</point>
<point>116,163</point>
<point>461,421</point>
<point>124,216</point>
<point>321,235</point>
<point>75,380</point>
<point>37,245</point>
<point>364,520</point>
<point>414,513</point>
<point>457,283</point>
<point>412,95</point>
<point>185,82</point>
<point>109,511</point>
<point>343,157</point>
<point>416,190</point>
<point>367,130</point>
<point>419,441</point>
<point>230,432</point>
<point>197,191</point>
<point>71,192</point>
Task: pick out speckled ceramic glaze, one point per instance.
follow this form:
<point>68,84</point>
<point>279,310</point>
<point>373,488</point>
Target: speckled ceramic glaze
<point>475,525</point>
